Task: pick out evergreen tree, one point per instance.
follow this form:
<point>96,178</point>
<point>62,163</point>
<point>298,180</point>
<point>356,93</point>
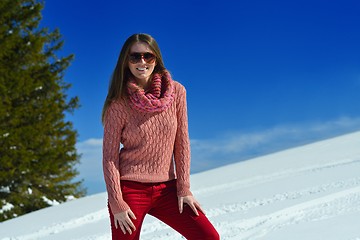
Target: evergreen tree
<point>37,144</point>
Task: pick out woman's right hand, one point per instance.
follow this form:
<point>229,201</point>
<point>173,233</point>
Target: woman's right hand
<point>123,221</point>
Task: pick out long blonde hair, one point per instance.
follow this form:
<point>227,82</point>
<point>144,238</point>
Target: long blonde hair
<point>121,72</point>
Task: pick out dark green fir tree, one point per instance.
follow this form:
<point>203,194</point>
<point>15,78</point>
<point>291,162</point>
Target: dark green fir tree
<point>37,143</point>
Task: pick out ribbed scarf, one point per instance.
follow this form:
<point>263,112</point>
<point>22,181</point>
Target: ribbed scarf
<point>157,98</point>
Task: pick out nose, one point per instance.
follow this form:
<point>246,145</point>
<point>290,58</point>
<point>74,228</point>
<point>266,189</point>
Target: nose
<point>142,59</point>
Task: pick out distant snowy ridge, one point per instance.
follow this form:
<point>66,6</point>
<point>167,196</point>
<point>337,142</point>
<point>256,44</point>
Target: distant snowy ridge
<point>310,192</point>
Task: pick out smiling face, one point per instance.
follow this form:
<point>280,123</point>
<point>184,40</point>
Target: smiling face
<point>143,68</point>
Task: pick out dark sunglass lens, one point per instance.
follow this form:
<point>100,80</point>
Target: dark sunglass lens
<point>149,57</point>
<point>135,57</point>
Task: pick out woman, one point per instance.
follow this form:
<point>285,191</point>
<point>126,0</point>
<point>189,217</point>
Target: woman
<point>145,110</point>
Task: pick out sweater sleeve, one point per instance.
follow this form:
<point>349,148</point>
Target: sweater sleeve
<point>182,145</point>
<point>113,125</point>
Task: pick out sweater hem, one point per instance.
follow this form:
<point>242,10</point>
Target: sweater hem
<point>148,178</point>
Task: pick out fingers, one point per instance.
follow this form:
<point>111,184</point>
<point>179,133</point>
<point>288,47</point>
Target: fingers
<point>130,224</point>
<point>198,206</point>
<point>116,224</point>
<point>123,229</point>
<point>132,215</point>
<point>193,207</point>
<point>193,204</point>
<point>127,227</point>
<point>123,221</point>
<point>181,202</point>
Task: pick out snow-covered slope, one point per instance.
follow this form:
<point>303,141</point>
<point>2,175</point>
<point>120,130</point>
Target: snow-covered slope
<point>309,192</point>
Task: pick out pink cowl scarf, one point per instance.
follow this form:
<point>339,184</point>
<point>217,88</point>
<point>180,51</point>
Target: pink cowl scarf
<point>157,98</point>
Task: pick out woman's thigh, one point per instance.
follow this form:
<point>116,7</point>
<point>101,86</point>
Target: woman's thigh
<point>139,201</point>
<point>187,223</point>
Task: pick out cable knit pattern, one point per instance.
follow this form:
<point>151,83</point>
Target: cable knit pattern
<point>154,145</point>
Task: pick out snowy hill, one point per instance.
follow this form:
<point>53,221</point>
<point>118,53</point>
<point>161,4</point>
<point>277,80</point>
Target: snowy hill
<point>309,192</point>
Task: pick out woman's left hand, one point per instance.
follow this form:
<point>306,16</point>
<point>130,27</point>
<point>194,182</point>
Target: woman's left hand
<point>191,201</point>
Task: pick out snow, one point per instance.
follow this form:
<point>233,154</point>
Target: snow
<point>6,207</point>
<point>309,192</point>
<point>6,134</point>
<point>50,202</point>
<point>5,189</point>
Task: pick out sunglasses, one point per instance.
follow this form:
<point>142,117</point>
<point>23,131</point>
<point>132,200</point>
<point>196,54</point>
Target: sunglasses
<point>136,57</point>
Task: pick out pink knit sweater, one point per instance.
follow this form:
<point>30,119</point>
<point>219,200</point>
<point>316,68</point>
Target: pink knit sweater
<point>152,143</point>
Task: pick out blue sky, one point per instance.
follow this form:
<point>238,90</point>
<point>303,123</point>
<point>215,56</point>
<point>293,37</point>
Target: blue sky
<point>260,75</point>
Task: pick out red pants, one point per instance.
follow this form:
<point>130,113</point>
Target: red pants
<point>160,200</point>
